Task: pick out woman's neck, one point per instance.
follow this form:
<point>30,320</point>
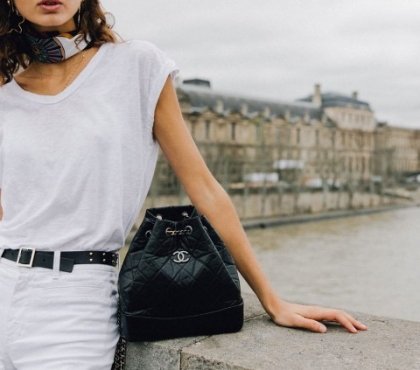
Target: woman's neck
<point>51,79</point>
<point>66,27</point>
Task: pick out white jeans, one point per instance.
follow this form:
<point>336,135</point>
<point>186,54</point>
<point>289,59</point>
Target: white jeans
<point>54,320</point>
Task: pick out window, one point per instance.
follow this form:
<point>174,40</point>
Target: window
<point>233,131</point>
<point>193,124</point>
<point>258,132</point>
<point>207,128</point>
<point>278,135</point>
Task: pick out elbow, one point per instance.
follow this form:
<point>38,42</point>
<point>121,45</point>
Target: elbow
<point>207,195</point>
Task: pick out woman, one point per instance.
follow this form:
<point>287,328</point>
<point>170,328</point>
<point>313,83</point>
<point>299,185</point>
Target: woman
<point>81,120</point>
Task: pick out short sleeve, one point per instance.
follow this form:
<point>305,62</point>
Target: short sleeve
<point>161,67</point>
<point>1,154</point>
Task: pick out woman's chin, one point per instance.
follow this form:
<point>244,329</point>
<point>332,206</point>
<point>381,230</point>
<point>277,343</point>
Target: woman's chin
<point>53,24</point>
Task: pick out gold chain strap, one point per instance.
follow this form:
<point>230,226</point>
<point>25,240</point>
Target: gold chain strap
<point>121,350</point>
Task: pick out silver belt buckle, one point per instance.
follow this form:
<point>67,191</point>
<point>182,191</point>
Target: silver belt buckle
<point>31,260</point>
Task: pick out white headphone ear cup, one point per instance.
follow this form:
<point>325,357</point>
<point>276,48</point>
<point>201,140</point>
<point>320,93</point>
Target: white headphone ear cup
<point>70,46</point>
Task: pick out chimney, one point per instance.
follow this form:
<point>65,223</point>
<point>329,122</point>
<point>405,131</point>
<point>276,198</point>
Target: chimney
<point>267,112</point>
<point>244,109</point>
<point>307,117</point>
<point>219,107</point>
<point>316,98</point>
<point>354,95</point>
<point>287,115</point>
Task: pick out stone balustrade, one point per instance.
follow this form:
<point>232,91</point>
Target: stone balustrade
<point>262,345</point>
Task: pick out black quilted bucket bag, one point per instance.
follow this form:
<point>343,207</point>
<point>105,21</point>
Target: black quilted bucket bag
<point>178,279</point>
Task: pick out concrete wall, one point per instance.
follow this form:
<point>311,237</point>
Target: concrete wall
<point>262,345</point>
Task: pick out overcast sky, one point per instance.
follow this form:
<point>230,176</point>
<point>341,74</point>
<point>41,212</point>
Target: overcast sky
<point>278,49</point>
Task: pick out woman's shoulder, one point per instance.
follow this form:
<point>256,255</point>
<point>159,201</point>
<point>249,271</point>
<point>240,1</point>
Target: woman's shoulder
<point>140,55</point>
<point>137,47</point>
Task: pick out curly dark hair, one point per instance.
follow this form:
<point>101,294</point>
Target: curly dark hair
<point>14,52</point>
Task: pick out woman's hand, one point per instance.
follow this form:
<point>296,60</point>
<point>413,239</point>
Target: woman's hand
<point>308,317</point>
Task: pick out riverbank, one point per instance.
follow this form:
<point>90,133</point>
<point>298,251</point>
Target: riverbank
<point>296,219</point>
<point>279,209</point>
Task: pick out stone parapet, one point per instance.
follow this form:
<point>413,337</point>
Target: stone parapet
<point>262,345</point>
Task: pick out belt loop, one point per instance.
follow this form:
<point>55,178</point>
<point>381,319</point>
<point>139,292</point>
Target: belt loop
<point>56,262</point>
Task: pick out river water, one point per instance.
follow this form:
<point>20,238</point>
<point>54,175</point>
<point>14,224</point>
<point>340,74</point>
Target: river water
<point>365,263</point>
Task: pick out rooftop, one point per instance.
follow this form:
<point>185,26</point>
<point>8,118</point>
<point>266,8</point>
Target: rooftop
<point>201,96</point>
<point>334,99</point>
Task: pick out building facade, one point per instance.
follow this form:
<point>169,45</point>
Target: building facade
<point>323,140</point>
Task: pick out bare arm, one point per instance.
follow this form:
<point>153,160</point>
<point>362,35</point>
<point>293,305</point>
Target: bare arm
<point>214,203</point>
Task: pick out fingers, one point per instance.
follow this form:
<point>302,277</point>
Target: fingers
<point>310,324</point>
<point>293,320</point>
<point>357,324</point>
<point>342,317</point>
<point>345,321</point>
<point>309,317</point>
<point>320,313</point>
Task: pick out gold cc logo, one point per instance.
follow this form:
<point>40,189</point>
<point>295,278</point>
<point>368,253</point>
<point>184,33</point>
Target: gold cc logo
<point>181,256</point>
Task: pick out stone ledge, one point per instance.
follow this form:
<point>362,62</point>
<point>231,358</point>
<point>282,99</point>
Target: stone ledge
<point>262,345</point>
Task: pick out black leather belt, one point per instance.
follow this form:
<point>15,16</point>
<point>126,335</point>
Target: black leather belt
<point>29,257</point>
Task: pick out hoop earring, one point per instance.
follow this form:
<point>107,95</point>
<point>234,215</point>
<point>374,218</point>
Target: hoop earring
<point>78,18</point>
<point>14,11</point>
<point>18,29</point>
<point>11,5</point>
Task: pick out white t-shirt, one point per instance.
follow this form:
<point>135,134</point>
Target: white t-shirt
<point>75,168</point>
